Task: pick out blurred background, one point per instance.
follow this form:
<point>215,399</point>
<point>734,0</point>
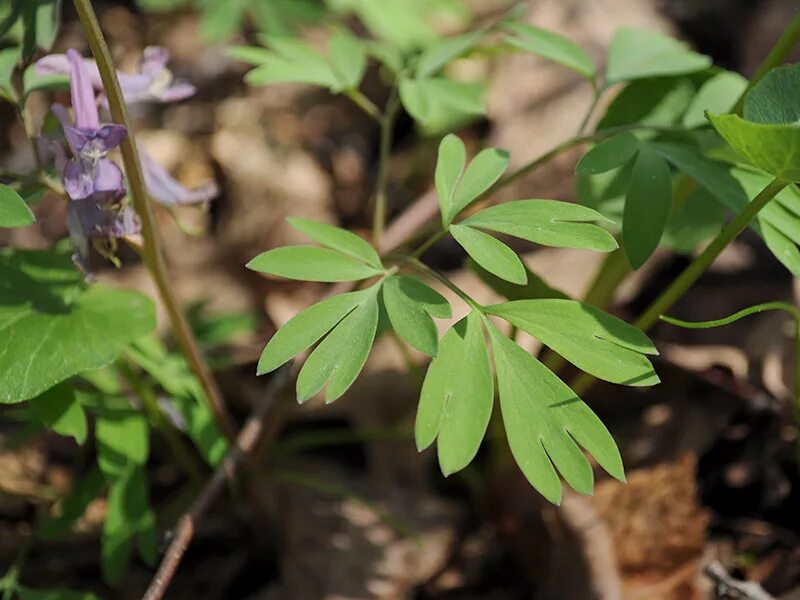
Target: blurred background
<point>349,509</point>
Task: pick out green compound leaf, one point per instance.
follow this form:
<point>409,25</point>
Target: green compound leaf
<point>552,46</point>
<point>308,327</point>
<point>437,55</point>
<point>13,210</point>
<point>546,422</point>
<point>592,340</point>
<point>309,263</point>
<point>123,439</point>
<point>456,399</point>
<point>773,101</point>
<point>546,222</point>
<point>439,104</point>
<point>339,239</point>
<point>409,305</point>
<point>53,327</point>
<point>456,187</point>
<point>613,153</point>
<point>648,204</point>
<point>59,410</point>
<point>490,253</point>
<point>289,60</point>
<point>661,102</point>
<point>717,95</point>
<point>128,518</point>
<point>338,359</point>
<point>639,54</point>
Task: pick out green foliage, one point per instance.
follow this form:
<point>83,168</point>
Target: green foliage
<point>545,421</point>
<point>123,439</point>
<point>13,210</point>
<point>490,253</point>
<point>440,104</point>
<point>410,304</point>
<point>310,263</point>
<point>57,326</point>
<point>639,54</point>
<point>338,239</point>
<point>456,399</point>
<point>59,409</point>
<point>717,95</point>
<point>552,46</point>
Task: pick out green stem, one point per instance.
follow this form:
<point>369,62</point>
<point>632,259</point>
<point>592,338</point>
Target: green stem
<point>422,267</point>
<point>698,266</point>
<point>777,56</point>
<point>380,208</point>
<point>592,108</point>
<point>364,103</point>
<point>151,252</point>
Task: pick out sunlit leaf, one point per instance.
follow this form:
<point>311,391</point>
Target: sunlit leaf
<point>339,239</point>
<point>552,46</point>
<point>123,439</point>
<point>310,263</point>
<point>490,253</point>
<point>439,104</point>
<point>13,210</point>
<point>410,304</point>
<point>437,55</point>
<point>59,409</point>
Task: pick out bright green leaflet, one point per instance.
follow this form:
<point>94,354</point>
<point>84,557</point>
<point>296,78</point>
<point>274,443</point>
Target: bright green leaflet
<point>128,518</point>
<point>458,187</point>
<point>456,399</point>
<point>339,239</point>
<point>609,154</point>
<point>552,46</point>
<point>32,81</point>
<point>490,253</point>
<point>637,54</point>
<point>9,57</point>
<point>545,421</point>
<point>306,328</point>
<point>439,104</point>
<point>648,205</point>
<point>60,410</point>
<point>404,24</point>
<point>338,359</point>
<point>53,327</point>
<point>123,439</point>
<point>310,263</point>
<point>13,210</point>
<point>546,222</point>
<point>717,95</point>
<point>661,101</point>
<point>592,340</point>
<point>348,59</point>
<point>409,305</point>
<point>437,55</point>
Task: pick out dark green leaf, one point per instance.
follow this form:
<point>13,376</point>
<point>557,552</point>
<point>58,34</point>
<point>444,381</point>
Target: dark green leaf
<point>661,101</point>
<point>773,101</point>
<point>552,46</point>
<point>456,399</point>
<point>55,327</point>
<point>648,204</point>
<point>13,210</point>
<point>613,153</point>
<point>699,219</point>
<point>309,263</point>
<point>546,222</point>
<point>490,253</point>
<point>123,439</point>
<point>60,410</point>
<point>545,421</point>
<point>589,338</point>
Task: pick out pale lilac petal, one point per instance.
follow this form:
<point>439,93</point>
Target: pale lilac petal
<point>84,103</point>
<point>58,64</point>
<point>108,178</point>
<point>95,143</point>
<point>167,190</point>
<point>176,92</point>
<point>154,60</point>
<point>83,180</point>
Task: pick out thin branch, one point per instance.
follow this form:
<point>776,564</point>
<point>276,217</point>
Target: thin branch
<point>734,589</point>
<point>152,253</point>
<point>255,431</point>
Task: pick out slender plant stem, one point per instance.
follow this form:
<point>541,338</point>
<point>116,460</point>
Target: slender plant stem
<point>364,103</point>
<point>592,108</point>
<point>381,201</point>
<point>777,56</point>
<point>698,266</point>
<point>422,267</point>
<point>152,254</point>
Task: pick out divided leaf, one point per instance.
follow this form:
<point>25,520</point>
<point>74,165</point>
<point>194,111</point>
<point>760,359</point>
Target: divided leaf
<point>310,263</point>
<point>648,205</point>
<point>437,55</point>
<point>409,305</point>
<point>545,422</point>
<point>306,328</point>
<point>592,340</point>
<point>13,210</point>
<point>639,54</point>
<point>490,253</point>
<point>456,187</point>
<point>456,399</point>
<point>338,359</point>
<point>439,104</point>
<point>546,222</point>
<point>552,46</point>
<point>339,239</point>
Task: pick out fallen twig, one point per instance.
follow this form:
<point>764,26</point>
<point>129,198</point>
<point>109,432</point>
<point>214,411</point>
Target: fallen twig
<point>257,429</point>
<point>734,589</point>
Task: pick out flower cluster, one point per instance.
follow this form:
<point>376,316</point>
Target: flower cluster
<point>94,183</point>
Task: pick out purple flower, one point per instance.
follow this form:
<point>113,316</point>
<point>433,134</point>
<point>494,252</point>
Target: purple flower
<point>154,82</point>
<point>167,190</point>
<point>93,182</point>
